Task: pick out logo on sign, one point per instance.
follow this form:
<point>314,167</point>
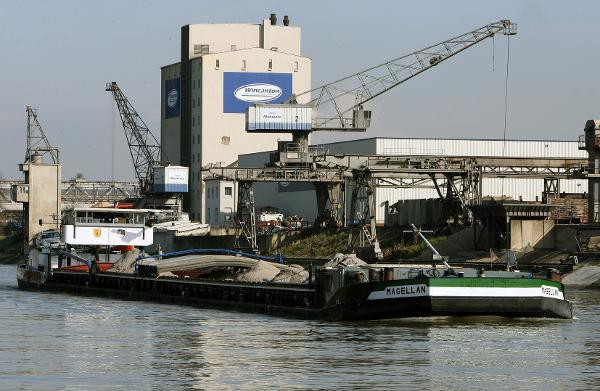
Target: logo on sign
<point>258,92</point>
<point>272,115</point>
<point>172,98</point>
<point>97,232</point>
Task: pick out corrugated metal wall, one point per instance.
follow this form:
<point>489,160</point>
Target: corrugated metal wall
<point>457,147</point>
<point>527,189</point>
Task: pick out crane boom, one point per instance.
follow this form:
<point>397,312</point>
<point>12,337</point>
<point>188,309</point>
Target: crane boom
<point>37,142</point>
<point>143,146</point>
<point>333,101</point>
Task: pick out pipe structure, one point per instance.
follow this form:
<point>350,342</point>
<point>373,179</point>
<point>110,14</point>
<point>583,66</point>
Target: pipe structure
<point>418,232</point>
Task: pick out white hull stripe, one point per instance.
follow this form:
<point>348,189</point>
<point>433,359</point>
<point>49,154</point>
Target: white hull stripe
<point>421,290</point>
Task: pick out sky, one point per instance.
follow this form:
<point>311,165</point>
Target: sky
<point>57,56</point>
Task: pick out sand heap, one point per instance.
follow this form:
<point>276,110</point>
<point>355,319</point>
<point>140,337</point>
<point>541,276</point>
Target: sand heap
<point>341,260</point>
<point>126,264</point>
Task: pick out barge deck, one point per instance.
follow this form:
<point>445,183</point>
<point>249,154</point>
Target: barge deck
<point>421,296</point>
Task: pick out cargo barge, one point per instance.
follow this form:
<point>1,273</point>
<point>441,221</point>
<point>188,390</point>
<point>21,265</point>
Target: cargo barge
<point>340,292</point>
<point>335,294</point>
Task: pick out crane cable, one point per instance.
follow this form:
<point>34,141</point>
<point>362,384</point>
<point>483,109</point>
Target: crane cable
<point>493,53</point>
<point>505,105</point>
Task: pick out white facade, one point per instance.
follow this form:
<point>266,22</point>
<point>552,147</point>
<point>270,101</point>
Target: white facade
<point>221,199</point>
<point>107,235</point>
<point>207,125</point>
<point>304,202</point>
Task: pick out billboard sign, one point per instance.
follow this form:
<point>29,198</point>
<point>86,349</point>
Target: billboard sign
<point>172,98</point>
<point>243,89</point>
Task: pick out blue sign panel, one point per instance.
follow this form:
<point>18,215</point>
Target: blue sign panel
<point>243,89</point>
<point>172,98</point>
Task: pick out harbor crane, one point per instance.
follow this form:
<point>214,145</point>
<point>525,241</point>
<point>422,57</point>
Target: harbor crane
<point>143,146</point>
<point>340,106</point>
<point>37,142</point>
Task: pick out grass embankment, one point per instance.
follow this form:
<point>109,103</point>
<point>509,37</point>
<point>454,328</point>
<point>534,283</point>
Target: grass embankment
<point>11,249</point>
<point>327,243</point>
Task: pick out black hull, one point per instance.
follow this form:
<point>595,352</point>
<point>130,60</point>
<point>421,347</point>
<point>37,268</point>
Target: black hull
<point>292,300</point>
<point>453,306</point>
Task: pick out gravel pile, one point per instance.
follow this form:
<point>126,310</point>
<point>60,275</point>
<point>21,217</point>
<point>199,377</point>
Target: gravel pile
<point>345,260</point>
<point>261,271</point>
<point>295,274</point>
<point>126,264</point>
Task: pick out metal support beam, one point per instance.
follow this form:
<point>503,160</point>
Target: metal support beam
<point>362,212</point>
<point>245,218</point>
<point>328,204</point>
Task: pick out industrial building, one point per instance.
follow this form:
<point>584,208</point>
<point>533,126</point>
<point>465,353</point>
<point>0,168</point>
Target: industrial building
<point>225,68</point>
<point>300,199</point>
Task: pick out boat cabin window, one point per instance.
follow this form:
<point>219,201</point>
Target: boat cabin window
<point>81,217</point>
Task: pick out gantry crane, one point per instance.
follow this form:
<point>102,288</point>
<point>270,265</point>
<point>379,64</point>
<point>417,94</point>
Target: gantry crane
<point>339,106</point>
<point>143,146</point>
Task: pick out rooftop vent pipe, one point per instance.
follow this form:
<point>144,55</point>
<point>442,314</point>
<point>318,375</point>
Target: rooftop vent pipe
<point>286,21</point>
<point>273,19</point>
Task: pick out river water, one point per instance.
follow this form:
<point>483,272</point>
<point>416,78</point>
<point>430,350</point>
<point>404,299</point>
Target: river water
<point>59,341</point>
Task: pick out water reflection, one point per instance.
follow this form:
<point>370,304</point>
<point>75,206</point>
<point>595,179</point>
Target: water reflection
<point>50,341</point>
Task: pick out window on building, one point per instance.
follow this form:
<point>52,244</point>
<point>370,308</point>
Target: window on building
<point>225,140</point>
<point>228,214</point>
<point>295,66</point>
<point>208,214</point>
<point>217,64</point>
<point>193,121</point>
<point>243,65</point>
<point>201,49</point>
<point>270,65</point>
<point>233,48</point>
<point>228,190</point>
<point>274,48</point>
<point>216,215</point>
<point>193,84</point>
